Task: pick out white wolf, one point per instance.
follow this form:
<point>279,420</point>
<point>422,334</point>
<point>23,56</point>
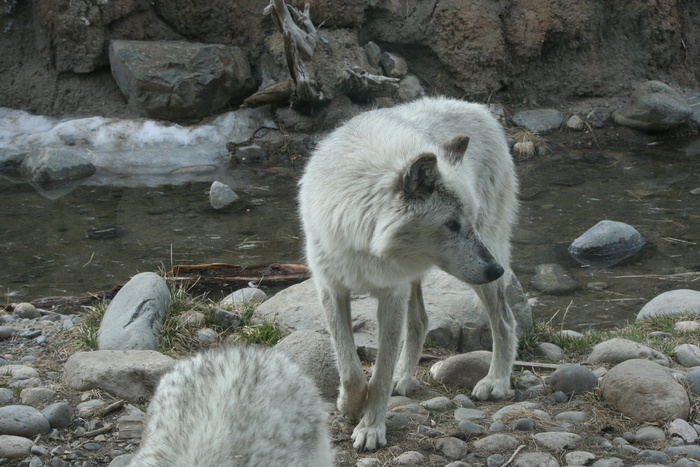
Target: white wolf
<point>384,198</point>
<point>235,406</point>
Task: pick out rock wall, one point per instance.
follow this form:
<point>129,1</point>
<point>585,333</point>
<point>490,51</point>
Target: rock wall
<point>53,53</point>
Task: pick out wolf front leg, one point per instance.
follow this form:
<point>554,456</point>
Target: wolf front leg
<point>353,384</point>
<point>496,384</point>
<point>414,338</point>
<point>370,433</point>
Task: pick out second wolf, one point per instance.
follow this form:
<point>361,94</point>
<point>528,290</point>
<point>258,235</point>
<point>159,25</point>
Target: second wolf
<point>387,196</point>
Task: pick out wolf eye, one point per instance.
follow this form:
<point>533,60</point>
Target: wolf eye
<point>453,225</point>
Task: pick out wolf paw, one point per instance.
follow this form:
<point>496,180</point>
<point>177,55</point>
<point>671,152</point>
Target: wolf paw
<point>351,401</point>
<point>369,438</point>
<point>489,388</point>
<point>405,386</point>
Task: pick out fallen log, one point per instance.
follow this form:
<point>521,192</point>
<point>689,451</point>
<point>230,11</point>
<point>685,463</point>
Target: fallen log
<point>220,276</point>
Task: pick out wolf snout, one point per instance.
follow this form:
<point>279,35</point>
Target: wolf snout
<point>493,272</point>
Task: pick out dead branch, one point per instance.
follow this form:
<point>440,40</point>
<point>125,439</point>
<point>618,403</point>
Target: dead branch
<point>360,85</point>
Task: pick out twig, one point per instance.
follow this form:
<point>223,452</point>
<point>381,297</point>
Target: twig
<point>520,448</point>
<point>110,408</point>
<point>98,431</point>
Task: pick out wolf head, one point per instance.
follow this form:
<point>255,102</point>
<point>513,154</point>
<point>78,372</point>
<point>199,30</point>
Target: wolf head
<point>435,223</point>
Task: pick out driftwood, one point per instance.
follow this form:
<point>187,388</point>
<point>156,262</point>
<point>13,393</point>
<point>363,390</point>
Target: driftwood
<point>300,38</point>
<point>219,276</point>
<point>278,93</point>
<point>360,85</point>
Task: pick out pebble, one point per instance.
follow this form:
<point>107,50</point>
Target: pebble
<point>438,404</point>
<point>654,457</point>
<point>414,412</point>
<point>606,244</point>
<point>522,424</point>
<point>36,396</point>
<point>688,355</point>
<point>496,443</point>
<point>553,279</point>
<point>470,428</point>
<point>26,311</point>
<point>221,195</point>
<point>579,458</point>
<point>453,448</point>
<point>573,379</point>
<point>207,336</point>
<point>557,441</point>
<point>495,460</point>
<point>572,416</point>
<point>247,295</point>
<point>59,415</point>
<point>649,433</point>
<point>469,414</point>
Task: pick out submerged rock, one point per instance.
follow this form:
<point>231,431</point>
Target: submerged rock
<point>654,106</point>
<point>606,244</point>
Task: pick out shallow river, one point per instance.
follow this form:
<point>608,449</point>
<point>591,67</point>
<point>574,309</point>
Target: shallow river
<point>96,237</point>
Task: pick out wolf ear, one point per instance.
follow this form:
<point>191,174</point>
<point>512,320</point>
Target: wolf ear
<point>421,177</point>
<point>455,148</point>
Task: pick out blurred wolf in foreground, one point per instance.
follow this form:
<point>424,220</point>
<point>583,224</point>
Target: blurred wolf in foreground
<point>384,198</point>
<point>236,406</point>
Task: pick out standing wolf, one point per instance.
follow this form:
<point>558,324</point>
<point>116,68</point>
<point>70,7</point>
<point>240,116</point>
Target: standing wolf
<point>235,407</point>
<point>384,198</point>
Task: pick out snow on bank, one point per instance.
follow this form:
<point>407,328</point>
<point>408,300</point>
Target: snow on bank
<point>121,146</point>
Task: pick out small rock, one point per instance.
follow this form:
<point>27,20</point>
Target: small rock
<point>6,332</point>
<point>414,412</point>
<point>497,427</point>
<point>394,65</point>
<point>654,457</point>
<point>247,295</point>
<point>572,416</point>
<point>688,355</point>
<point>221,195</point>
<point>570,333</point>
<point>609,462</point>
<point>463,370</point>
<point>549,352</point>
<point>541,121</point>
<point>26,310</point>
<point>687,326</point>
<point>649,433</point>
<point>693,380</point>
<point>660,335</point>
<point>557,441</point>
<point>410,458</point>
<point>553,279</point>
<point>573,379</point>
<point>522,424</point>
<point>59,415</point>
<point>410,88</point>
<point>682,429</point>
<point>689,450</point>
<point>606,244</point>
<point>579,458</point>
<point>36,397</point>
<point>495,460</point>
<point>469,414</point>
<point>524,149</point>
<point>540,459</point>
<point>227,320</point>
<point>252,154</point>
<point>672,302</point>
<point>496,443</point>
<point>575,123</point>
<point>22,420</point>
<point>597,118</point>
<point>374,54</point>
<point>90,446</point>
<point>470,428</point>
<point>618,350</point>
<point>191,319</point>
<point>207,336</point>
<point>14,447</point>
<point>464,401</point>
<point>429,432</point>
<point>395,420</point>
<point>557,397</point>
<point>453,448</point>
<point>438,404</point>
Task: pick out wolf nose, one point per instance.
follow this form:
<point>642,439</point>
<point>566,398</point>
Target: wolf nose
<point>493,272</point>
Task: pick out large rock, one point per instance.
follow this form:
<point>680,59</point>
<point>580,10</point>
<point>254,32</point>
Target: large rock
<point>645,391</point>
<point>606,244</point>
<point>22,420</point>
<point>456,320</point>
<point>313,352</point>
<point>654,106</point>
<point>618,350</point>
<point>134,317</point>
<point>179,80</point>
<point>57,171</point>
<point>463,370</point>
<point>132,375</point>
<point>673,302</point>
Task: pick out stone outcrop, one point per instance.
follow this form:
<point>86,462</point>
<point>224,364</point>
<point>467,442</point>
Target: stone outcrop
<point>179,80</point>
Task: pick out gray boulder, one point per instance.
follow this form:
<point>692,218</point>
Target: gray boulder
<point>175,80</point>
<point>645,391</point>
<point>542,121</point>
<point>606,244</point>
<point>653,106</point>
<point>313,352</point>
<point>57,171</point>
<point>463,370</point>
<point>12,447</point>
<point>618,350</point>
<point>456,320</point>
<point>132,375</point>
<point>133,318</point>
<point>673,302</point>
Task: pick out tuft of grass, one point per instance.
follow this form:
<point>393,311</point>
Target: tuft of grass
<point>578,348</point>
<point>177,339</point>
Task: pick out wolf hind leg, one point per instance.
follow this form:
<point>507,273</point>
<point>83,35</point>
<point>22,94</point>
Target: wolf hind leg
<point>353,384</point>
<point>414,337</point>
<point>496,384</point>
<point>370,433</point>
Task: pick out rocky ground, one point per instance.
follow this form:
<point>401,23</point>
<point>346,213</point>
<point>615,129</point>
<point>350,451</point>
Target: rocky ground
<point>437,426</point>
